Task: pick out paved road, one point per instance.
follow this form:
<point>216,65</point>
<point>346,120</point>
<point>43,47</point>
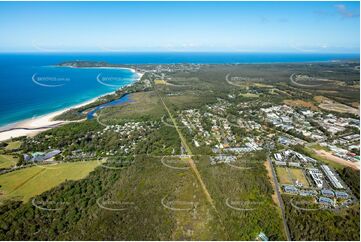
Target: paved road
<point>280,201</point>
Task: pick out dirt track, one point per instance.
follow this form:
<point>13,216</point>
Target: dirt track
<point>331,157</point>
<point>189,152</point>
<point>270,176</point>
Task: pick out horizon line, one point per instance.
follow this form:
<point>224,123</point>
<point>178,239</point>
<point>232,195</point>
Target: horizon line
<point>175,51</point>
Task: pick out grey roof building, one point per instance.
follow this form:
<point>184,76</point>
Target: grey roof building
<point>326,201</point>
<point>342,195</point>
<point>327,193</point>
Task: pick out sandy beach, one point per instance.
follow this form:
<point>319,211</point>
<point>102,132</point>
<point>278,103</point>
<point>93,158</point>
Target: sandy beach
<point>33,126</point>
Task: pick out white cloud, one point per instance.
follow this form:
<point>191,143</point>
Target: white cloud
<point>344,12</point>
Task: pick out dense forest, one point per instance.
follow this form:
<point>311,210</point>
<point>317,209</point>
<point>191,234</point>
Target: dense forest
<point>341,224</point>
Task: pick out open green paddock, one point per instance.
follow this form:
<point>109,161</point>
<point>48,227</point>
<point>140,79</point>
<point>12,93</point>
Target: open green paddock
<point>7,161</point>
<point>25,183</point>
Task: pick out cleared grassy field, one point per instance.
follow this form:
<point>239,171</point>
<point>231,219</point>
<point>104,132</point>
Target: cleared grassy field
<point>301,103</point>
<point>7,161</point>
<point>26,183</point>
<point>298,174</point>
<point>288,175</point>
<point>182,99</point>
<point>338,107</point>
<point>283,176</point>
<point>13,145</point>
<point>186,101</point>
<point>334,161</point>
<point>316,154</point>
<point>160,82</point>
<point>317,146</point>
<point>331,105</point>
<point>144,105</point>
<point>250,95</point>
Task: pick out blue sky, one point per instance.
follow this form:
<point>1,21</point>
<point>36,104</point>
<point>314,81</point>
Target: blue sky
<point>306,27</point>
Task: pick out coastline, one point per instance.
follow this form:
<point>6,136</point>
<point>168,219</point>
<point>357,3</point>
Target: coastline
<point>33,126</point>
<point>101,67</point>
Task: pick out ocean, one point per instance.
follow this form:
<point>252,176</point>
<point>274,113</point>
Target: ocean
<point>31,86</point>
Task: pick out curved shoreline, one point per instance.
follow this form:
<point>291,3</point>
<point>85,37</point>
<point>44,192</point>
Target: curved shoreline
<point>33,126</point>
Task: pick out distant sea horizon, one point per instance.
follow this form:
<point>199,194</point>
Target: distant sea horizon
<point>31,86</point>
